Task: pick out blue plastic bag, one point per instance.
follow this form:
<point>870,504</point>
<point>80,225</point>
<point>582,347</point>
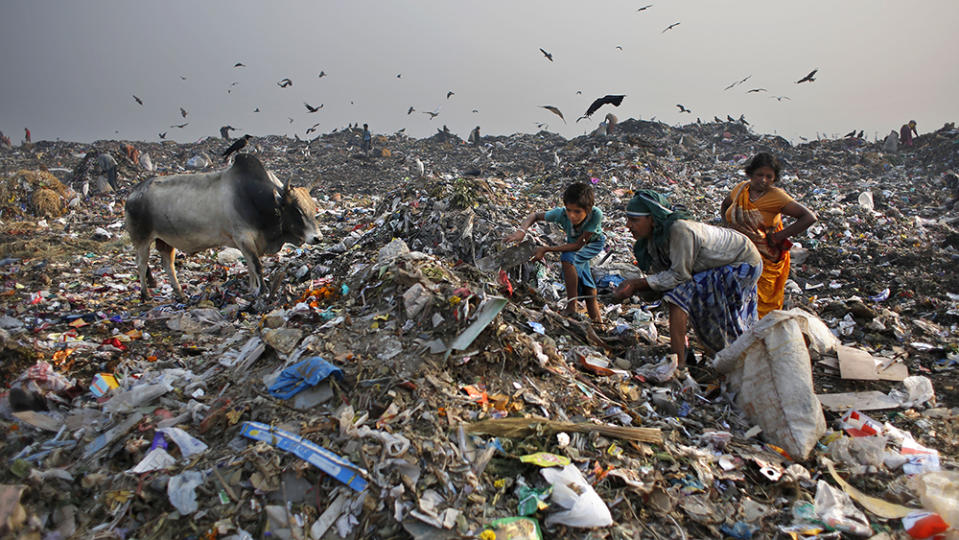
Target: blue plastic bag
<point>305,373</point>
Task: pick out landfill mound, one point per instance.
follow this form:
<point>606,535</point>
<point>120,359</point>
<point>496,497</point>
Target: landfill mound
<point>411,376</point>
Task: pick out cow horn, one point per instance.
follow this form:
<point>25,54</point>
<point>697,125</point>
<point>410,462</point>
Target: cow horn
<point>286,186</point>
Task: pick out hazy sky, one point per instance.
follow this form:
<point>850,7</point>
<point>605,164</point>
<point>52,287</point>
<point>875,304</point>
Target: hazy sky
<point>68,69</point>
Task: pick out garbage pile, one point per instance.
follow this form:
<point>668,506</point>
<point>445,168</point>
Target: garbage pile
<point>411,376</point>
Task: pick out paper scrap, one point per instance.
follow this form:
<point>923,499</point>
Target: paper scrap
<point>860,365</point>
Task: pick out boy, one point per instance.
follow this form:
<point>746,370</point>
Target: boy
<point>582,223</point>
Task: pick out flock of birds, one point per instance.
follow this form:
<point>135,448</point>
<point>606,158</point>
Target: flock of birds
<point>609,99</point>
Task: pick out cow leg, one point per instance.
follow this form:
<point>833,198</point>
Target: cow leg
<point>167,259</point>
<point>143,269</point>
<point>255,270</point>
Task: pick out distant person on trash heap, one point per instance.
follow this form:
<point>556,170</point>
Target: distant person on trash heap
<point>367,144</point>
<point>755,208</point>
<point>707,274</point>
<point>582,222</point>
<point>906,132</point>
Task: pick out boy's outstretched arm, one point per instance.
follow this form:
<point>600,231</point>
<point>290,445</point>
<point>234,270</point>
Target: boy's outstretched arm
<point>520,233</point>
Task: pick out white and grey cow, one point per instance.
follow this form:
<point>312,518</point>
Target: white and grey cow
<point>244,206</point>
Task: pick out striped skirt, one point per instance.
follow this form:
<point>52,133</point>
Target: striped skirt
<point>720,302</point>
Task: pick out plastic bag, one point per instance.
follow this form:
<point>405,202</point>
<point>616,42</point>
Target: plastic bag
<point>125,402</point>
<point>181,489</point>
<point>661,371</point>
<point>769,368</point>
<point>837,511</point>
<point>584,507</point>
<point>859,452</point>
<point>918,390</point>
<point>187,444</point>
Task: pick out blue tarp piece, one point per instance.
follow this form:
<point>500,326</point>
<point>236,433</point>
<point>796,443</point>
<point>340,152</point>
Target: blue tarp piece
<point>302,374</point>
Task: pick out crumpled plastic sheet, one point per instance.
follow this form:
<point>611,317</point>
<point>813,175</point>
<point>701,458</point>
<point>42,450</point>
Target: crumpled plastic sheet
<point>305,373</point>
<point>584,507</point>
<point>181,490</point>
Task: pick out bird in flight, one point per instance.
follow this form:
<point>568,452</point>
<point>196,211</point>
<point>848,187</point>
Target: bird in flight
<point>780,98</point>
<point>311,108</point>
<point>256,109</point>
<point>450,94</point>
<point>138,100</point>
<point>614,100</point>
<point>409,112</point>
<point>239,64</point>
<point>579,92</point>
<point>670,27</point>
<point>737,83</point>
<point>180,126</point>
<point>183,112</point>
<point>683,109</point>
<point>162,135</point>
<point>755,90</point>
<point>284,83</point>
<point>322,74</point>
<point>399,75</point>
<point>290,119</point>
<point>808,78</point>
<point>620,47</point>
<point>182,78</point>
<point>236,146</point>
<point>475,110</point>
<point>861,132</point>
<point>541,125</point>
<point>644,8</point>
<point>312,128</point>
<point>546,54</point>
<point>555,111</point>
<point>850,134</point>
<point>432,114</point>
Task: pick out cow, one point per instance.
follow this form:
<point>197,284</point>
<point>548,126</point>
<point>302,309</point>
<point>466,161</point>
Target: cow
<point>244,206</point>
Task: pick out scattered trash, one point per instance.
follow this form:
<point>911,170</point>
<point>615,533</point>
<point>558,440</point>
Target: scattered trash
<point>451,360</point>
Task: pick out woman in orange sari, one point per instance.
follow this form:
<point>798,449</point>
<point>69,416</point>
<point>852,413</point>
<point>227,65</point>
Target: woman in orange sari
<point>755,208</point>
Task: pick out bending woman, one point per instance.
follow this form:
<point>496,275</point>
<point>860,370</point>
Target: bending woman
<point>708,274</point>
<point>755,208</point>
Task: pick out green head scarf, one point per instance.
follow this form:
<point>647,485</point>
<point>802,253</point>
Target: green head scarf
<point>647,202</point>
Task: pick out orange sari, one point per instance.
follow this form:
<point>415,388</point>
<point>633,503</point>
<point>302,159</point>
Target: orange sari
<point>756,219</point>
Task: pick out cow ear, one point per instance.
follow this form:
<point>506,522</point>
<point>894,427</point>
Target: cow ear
<point>286,186</point>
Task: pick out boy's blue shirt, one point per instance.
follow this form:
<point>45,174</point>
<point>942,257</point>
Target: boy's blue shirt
<point>593,223</point>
